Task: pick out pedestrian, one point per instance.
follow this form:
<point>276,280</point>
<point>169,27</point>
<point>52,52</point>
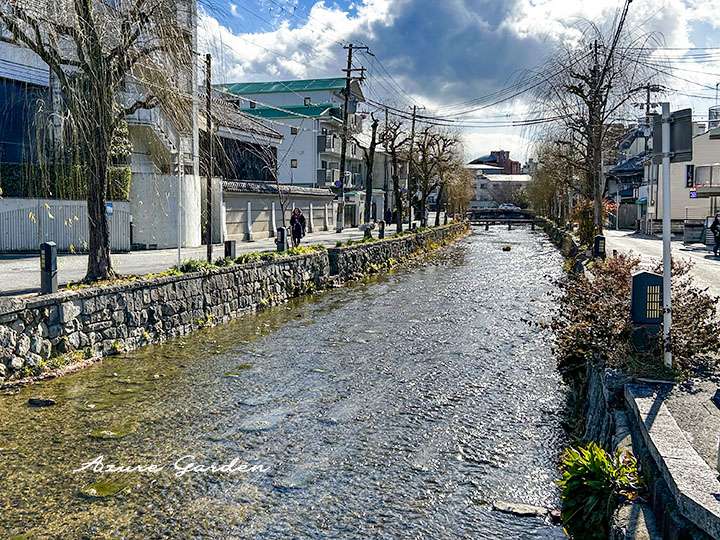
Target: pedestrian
<point>715,228</point>
<point>388,216</point>
<point>297,226</point>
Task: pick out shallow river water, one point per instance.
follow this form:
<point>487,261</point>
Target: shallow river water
<point>398,408</point>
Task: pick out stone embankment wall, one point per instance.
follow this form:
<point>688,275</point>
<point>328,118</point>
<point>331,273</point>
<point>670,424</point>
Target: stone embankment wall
<point>613,417</point>
<point>356,260</point>
<point>561,238</point>
<point>37,333</point>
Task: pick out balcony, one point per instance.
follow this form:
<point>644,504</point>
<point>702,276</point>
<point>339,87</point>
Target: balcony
<point>328,144</point>
<point>328,177</point>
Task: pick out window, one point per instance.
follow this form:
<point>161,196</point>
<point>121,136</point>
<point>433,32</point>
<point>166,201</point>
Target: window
<point>294,130</point>
<point>293,163</point>
<point>253,104</point>
<point>323,164</point>
<point>308,102</point>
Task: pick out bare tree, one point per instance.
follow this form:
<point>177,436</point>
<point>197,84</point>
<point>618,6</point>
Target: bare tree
<point>369,158</point>
<point>433,156</point>
<point>590,84</point>
<point>395,140</point>
<point>93,50</point>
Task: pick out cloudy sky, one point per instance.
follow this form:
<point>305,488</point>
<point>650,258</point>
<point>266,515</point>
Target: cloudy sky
<point>439,53</point>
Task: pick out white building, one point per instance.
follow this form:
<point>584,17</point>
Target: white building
<point>150,217</point>
<point>309,116</point>
<point>695,185</point>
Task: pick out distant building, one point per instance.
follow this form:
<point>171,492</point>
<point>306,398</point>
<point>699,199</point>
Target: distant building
<point>499,158</point>
<point>309,116</point>
<point>497,179</point>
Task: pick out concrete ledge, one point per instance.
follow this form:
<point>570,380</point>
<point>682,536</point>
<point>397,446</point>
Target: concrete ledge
<point>691,482</point>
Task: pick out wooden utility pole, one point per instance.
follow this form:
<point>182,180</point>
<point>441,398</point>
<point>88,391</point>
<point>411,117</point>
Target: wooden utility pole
<point>386,184</point>
<point>411,184</point>
<point>343,149</point>
<point>208,112</point>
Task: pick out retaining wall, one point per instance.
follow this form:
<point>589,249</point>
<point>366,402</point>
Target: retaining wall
<point>35,332</point>
<point>356,260</point>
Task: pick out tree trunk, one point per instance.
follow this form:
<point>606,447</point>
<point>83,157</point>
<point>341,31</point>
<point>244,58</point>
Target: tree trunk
<point>99,263</point>
<point>439,202</point>
<point>368,199</point>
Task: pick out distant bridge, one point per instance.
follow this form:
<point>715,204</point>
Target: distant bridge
<point>501,216</point>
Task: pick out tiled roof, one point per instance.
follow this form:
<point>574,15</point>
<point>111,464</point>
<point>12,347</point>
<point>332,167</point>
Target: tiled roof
<point>296,111</point>
<point>273,87</point>
<point>236,186</point>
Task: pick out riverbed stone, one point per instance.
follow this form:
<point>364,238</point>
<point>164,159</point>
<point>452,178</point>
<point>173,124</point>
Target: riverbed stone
<point>520,509</point>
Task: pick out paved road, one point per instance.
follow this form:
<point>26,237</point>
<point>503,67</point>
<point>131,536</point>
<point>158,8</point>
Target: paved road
<point>19,274</point>
<point>707,267</point>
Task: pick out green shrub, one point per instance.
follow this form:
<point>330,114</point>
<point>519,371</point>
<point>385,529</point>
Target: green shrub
<point>119,182</point>
<point>245,258</point>
<point>225,261</point>
<point>593,322</point>
<point>592,486</point>
<point>194,265</point>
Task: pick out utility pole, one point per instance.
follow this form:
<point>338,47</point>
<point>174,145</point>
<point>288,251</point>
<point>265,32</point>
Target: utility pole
<point>411,184</point>
<point>343,150</point>
<point>386,184</point>
<point>208,112</point>
<point>667,246</point>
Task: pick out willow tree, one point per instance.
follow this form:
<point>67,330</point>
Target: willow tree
<point>108,60</point>
<point>589,84</point>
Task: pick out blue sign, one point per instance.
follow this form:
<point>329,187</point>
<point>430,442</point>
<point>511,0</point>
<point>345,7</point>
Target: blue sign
<point>108,209</point>
<point>693,194</point>
<point>338,183</point>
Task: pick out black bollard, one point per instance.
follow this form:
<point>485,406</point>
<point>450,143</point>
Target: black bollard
<point>381,229</point>
<point>48,268</point>
<point>230,250</point>
<point>487,225</point>
<point>281,239</point>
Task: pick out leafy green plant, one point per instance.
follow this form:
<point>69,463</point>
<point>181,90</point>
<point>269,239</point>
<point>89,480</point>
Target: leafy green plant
<point>592,486</point>
<point>194,265</point>
<point>225,261</point>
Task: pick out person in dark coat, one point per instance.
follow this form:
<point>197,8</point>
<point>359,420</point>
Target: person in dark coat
<point>715,228</point>
<point>388,216</point>
<point>297,226</point>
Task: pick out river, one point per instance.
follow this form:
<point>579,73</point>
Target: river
<point>398,408</point>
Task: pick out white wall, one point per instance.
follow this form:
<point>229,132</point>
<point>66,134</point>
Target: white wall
<point>26,223</point>
<point>705,152</point>
<point>290,98</point>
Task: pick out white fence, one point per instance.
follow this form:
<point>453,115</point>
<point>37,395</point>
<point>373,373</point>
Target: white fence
<point>26,223</point>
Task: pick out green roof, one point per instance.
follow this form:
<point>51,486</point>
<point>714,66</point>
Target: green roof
<point>313,85</point>
<point>295,111</point>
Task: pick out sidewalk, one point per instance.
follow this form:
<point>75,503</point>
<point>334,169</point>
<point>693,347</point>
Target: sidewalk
<point>707,267</point>
<point>20,274</point>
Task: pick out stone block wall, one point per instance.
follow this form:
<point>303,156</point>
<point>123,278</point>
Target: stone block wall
<point>102,321</point>
<point>353,261</point>
<point>35,332</point>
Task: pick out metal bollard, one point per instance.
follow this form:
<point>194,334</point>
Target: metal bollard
<point>281,239</point>
<point>509,226</point>
<point>48,268</point>
<point>230,250</point>
<point>381,229</point>
<point>487,225</point>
